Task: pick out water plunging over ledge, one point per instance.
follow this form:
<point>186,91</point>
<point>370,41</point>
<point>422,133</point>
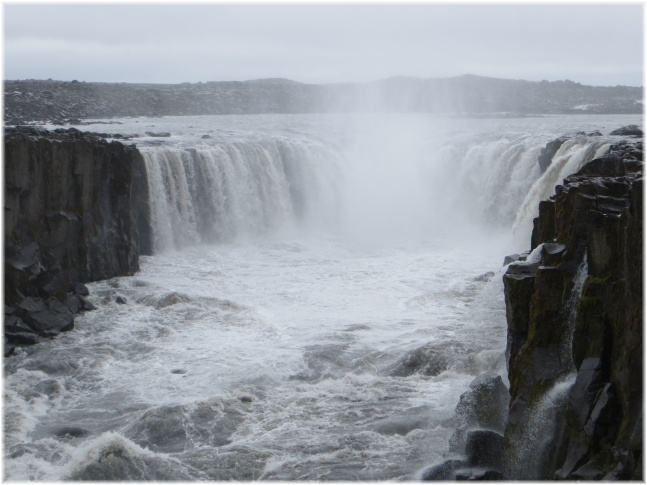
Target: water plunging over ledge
<point>320,294</point>
<point>535,442</point>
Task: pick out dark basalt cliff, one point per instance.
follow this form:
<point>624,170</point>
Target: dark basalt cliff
<point>574,311</point>
<point>73,206</point>
<point>575,330</point>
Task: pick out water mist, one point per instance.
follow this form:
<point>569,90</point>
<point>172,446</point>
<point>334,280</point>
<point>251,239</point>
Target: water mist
<point>322,290</point>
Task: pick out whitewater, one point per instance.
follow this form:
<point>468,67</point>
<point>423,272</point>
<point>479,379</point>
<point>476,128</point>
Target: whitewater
<point>321,291</point>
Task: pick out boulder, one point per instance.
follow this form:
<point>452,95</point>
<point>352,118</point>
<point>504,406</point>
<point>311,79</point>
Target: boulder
<point>80,289</point>
<point>484,405</point>
<point>511,258</point>
<point>46,318</point>
<point>20,338</point>
<point>629,130</point>
<point>87,304</point>
<point>444,471</point>
<point>486,402</point>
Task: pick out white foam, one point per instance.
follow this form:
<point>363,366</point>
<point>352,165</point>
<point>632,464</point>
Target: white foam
<point>289,334</point>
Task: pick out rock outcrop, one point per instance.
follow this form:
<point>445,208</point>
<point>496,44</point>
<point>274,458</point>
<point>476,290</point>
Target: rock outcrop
<point>75,212</point>
<point>574,311</point>
<point>630,130</point>
<point>552,147</point>
<point>476,447</point>
<point>574,351</point>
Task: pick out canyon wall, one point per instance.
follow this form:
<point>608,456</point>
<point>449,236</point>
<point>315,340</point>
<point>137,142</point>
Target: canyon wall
<point>574,311</point>
<point>74,205</point>
<point>574,303</point>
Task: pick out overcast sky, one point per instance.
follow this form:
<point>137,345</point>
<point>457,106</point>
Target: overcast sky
<point>593,44</point>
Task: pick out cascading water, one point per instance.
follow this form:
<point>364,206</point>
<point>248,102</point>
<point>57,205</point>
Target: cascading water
<point>571,316</point>
<point>570,157</point>
<point>534,447</point>
<point>394,178</point>
<point>233,191</point>
<point>321,293</point>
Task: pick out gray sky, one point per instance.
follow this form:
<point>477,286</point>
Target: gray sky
<point>597,44</point>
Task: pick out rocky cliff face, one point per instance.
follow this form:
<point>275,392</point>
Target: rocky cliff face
<point>574,311</point>
<point>74,205</point>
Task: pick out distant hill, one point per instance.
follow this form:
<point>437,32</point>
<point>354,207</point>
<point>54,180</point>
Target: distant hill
<point>31,100</point>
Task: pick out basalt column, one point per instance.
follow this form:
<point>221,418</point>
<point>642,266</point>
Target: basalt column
<point>75,212</point>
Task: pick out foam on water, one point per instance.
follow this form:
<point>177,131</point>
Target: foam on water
<point>337,289</point>
<point>295,360</point>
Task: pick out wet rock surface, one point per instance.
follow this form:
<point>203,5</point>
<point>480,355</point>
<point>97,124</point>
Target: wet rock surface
<point>591,334</point>
<point>573,410</point>
<point>548,152</point>
<point>483,406</point>
<point>630,130</point>
<point>74,213</point>
<point>476,446</point>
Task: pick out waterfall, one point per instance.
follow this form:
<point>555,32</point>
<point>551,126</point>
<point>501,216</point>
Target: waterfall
<point>570,157</point>
<point>533,449</point>
<point>534,446</point>
<point>392,179</point>
<point>571,315</point>
<point>497,173</point>
<point>496,178</point>
<point>232,191</point>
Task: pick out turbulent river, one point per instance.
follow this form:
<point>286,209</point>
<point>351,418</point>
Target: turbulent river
<point>322,289</point>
